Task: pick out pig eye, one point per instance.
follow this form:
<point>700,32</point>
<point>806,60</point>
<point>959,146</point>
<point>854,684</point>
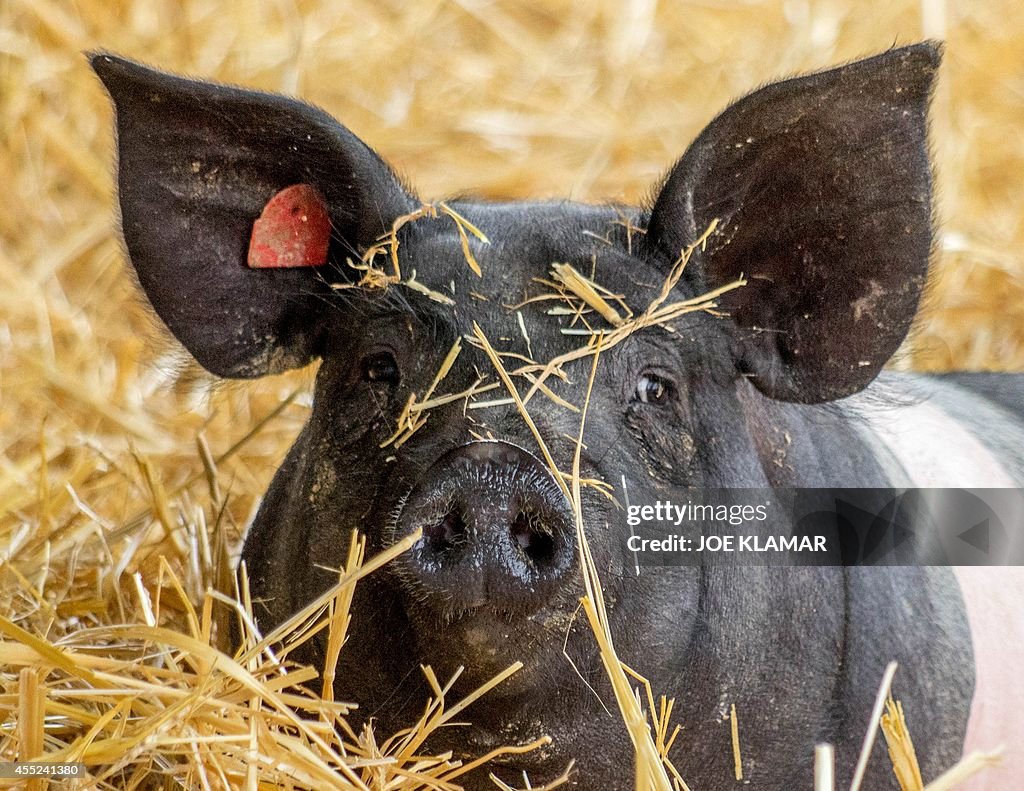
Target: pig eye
<point>654,389</point>
<point>381,367</point>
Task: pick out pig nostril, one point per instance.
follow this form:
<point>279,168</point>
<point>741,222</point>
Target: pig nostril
<point>536,544</point>
<point>447,533</point>
<point>496,531</point>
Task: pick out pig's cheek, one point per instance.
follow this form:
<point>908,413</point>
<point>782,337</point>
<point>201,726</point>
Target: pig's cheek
<point>322,484</point>
<point>340,484</point>
<point>664,451</point>
<point>605,535</point>
<point>353,425</point>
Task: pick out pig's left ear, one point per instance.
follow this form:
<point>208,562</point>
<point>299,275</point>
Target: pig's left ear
<point>198,163</point>
<point>822,187</point>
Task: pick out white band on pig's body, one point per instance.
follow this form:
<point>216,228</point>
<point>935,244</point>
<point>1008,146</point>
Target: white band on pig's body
<point>933,450</point>
<point>925,447</point>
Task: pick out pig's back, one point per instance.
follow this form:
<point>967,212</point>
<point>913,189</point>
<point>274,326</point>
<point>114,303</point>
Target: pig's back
<point>994,597</point>
<point>967,431</point>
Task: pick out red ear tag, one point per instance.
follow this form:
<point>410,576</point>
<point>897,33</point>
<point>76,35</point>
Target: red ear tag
<point>293,230</point>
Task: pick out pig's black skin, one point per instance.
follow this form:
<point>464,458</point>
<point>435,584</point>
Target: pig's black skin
<point>822,186</point>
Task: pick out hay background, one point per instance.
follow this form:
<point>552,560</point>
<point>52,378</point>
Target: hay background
<point>533,99</point>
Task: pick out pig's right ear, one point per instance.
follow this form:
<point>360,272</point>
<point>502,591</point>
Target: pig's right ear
<point>197,164</point>
<point>822,188</point>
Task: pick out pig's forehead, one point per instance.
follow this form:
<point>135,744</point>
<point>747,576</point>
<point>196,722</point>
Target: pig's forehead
<point>517,300</point>
<point>525,241</point>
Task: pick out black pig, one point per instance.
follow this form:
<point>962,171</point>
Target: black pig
<point>821,189</point>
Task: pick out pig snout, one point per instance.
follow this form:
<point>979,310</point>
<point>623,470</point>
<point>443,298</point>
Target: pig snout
<point>497,530</point>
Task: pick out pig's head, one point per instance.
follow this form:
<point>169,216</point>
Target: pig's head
<point>821,190</point>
